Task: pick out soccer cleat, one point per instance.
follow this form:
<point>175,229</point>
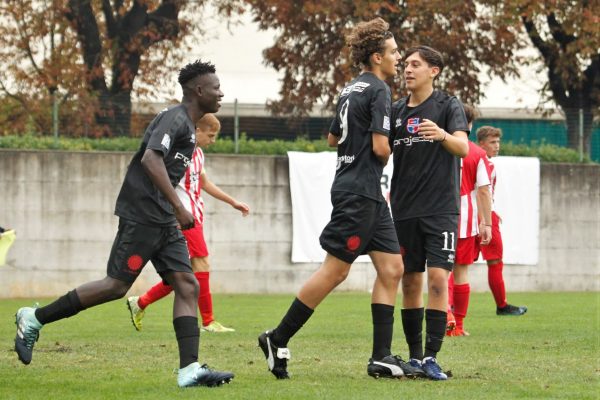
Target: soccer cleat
<point>511,310</point>
<point>200,375</point>
<point>136,312</point>
<point>7,238</point>
<point>450,324</point>
<point>216,327</point>
<point>433,370</point>
<point>388,367</point>
<point>28,332</point>
<point>417,368</point>
<point>458,332</point>
<point>276,356</point>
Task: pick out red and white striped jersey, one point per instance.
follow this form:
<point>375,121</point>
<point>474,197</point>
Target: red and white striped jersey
<point>475,173</point>
<point>492,169</point>
<point>190,186</point>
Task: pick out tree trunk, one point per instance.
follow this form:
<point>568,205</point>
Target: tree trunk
<point>574,129</point>
<point>114,114</point>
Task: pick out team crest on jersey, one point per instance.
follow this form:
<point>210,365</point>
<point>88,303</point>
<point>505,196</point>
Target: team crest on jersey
<point>412,125</point>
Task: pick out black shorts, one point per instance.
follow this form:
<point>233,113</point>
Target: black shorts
<point>430,240</point>
<point>136,244</point>
<point>358,225</point>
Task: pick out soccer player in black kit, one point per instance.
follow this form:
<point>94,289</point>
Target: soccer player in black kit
<point>150,218</point>
<point>429,135</point>
<point>360,221</point>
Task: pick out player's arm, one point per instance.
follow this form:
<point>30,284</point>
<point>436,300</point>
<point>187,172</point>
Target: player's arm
<point>456,143</point>
<point>381,147</point>
<point>484,209</point>
<point>332,140</point>
<point>209,187</point>
<point>154,166</point>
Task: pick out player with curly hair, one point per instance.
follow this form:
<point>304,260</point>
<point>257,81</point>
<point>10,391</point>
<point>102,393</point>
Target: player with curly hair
<point>360,221</point>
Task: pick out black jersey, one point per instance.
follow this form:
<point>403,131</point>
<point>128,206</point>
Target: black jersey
<point>363,108</point>
<point>426,178</point>
<point>172,132</point>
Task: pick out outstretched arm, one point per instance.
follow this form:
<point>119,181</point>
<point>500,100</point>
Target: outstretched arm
<point>209,187</point>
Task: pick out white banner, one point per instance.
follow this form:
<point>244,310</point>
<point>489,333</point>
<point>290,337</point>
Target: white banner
<point>517,202</point>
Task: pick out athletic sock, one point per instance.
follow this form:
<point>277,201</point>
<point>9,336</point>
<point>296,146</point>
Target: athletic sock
<point>188,339</point>
<point>412,323</point>
<point>205,298</point>
<point>496,282</point>
<point>294,319</point>
<point>435,321</point>
<point>451,292</point>
<point>461,303</point>
<point>155,293</point>
<point>383,330</point>
<point>63,307</point>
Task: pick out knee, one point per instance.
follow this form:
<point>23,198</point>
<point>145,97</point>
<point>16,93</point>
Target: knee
<point>438,287</point>
<point>393,273</point>
<point>340,277</point>
<point>115,289</point>
<point>186,284</point>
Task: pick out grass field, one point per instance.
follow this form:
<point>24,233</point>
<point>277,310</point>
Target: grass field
<point>552,352</point>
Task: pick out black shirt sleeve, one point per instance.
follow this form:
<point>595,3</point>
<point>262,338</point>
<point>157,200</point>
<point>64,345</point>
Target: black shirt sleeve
<point>381,104</point>
<point>456,119</point>
<point>164,133</point>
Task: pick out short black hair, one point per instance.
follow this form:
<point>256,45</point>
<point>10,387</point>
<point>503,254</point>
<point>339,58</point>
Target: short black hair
<point>192,70</point>
<point>431,56</point>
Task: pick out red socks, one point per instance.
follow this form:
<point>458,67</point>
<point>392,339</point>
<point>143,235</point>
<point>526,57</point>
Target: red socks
<point>496,282</point>
<point>205,298</point>
<point>155,293</point>
<point>461,303</point>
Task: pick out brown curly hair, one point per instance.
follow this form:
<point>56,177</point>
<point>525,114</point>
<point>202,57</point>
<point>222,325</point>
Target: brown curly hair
<point>367,38</point>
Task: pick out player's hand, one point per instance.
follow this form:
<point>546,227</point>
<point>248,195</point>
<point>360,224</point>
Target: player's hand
<point>430,131</point>
<point>485,234</point>
<point>242,207</point>
<point>184,217</point>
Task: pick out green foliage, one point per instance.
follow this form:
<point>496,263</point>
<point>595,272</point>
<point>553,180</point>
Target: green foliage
<point>545,152</point>
<point>550,353</point>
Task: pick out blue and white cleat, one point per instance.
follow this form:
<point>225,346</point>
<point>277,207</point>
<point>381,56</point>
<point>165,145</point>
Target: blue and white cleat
<point>200,375</point>
<point>28,332</point>
<point>433,370</point>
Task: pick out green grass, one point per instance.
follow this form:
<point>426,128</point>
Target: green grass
<point>551,352</point>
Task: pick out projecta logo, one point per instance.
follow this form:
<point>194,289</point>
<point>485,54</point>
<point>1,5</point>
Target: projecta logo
<point>186,160</point>
<point>412,125</point>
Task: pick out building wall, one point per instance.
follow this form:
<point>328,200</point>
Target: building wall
<point>61,205</point>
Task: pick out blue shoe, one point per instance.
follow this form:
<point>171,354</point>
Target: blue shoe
<point>433,370</point>
<point>28,332</point>
<point>416,368</point>
<point>200,375</point>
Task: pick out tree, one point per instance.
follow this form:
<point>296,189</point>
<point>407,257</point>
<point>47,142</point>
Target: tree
<point>310,46</point>
<point>39,62</point>
<point>119,44</point>
<point>474,36</point>
<point>92,53</point>
<point>567,35</point>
